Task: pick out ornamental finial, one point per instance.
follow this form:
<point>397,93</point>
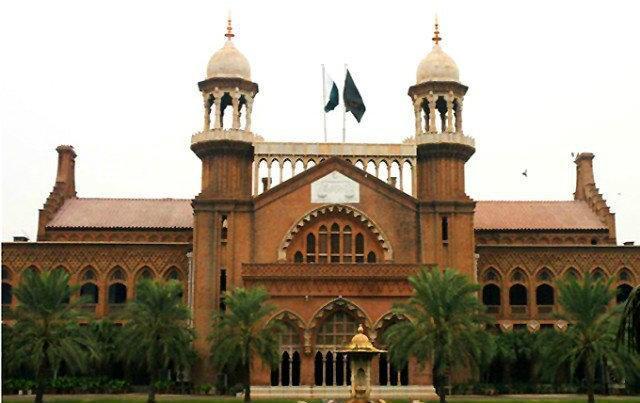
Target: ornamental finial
<point>229,33</point>
<point>436,31</point>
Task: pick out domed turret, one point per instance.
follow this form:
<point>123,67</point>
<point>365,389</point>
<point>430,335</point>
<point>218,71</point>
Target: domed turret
<point>437,66</point>
<point>228,62</point>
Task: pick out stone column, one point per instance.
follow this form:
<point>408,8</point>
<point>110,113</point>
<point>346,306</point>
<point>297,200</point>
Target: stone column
<point>249,106</point>
<point>388,369</point>
<point>291,369</point>
<point>333,369</point>
<point>344,369</point>
<point>207,113</point>
<point>269,173</point>
<point>324,370</point>
<point>256,178</point>
<point>416,110</point>
<point>449,98</point>
<point>280,371</point>
<point>281,165</point>
<point>235,102</point>
<point>217,100</point>
<point>431,100</point>
<point>459,116</point>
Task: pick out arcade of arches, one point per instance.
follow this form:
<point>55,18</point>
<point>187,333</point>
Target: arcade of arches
<point>329,366</point>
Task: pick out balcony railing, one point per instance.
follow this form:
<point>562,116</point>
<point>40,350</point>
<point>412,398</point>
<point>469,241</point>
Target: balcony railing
<point>493,309</point>
<point>519,311</point>
<point>545,311</point>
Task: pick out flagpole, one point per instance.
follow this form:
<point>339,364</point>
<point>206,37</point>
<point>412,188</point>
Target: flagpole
<point>324,102</point>
<point>344,112</point>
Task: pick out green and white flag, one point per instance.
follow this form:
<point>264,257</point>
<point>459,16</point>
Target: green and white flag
<point>330,93</point>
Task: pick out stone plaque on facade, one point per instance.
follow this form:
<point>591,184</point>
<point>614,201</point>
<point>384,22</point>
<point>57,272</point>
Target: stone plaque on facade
<point>335,188</point>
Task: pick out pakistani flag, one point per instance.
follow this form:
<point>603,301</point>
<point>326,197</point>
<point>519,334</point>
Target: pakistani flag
<point>331,89</point>
<point>352,100</point>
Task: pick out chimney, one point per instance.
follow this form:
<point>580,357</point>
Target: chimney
<point>20,238</point>
<point>66,175</point>
<point>584,175</point>
<point>392,181</point>
<point>63,189</point>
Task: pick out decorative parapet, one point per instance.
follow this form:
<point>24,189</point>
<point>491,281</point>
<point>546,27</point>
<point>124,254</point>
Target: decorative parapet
<point>225,134</point>
<point>363,150</point>
<point>445,138</point>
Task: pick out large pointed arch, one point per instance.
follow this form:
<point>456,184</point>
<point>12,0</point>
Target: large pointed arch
<point>336,305</point>
<point>330,208</point>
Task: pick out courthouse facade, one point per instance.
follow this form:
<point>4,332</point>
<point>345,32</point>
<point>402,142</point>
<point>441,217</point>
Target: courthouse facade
<point>331,230</point>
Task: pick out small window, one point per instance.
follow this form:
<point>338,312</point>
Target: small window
<point>89,275</point>
<point>6,275</point>
<point>223,281</point>
<point>335,243</point>
<point>371,257</point>
<point>445,229</point>
<point>311,248</point>
<point>7,294</point>
<point>90,292</point>
<point>117,274</point>
<point>322,244</point>
<point>594,241</point>
<point>359,248</point>
<point>297,258</point>
<point>346,245</point>
<point>225,228</point>
<point>173,274</point>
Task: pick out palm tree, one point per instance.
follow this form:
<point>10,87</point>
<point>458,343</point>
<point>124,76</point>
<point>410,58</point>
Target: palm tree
<point>590,339</point>
<point>629,328</point>
<point>156,334</point>
<point>243,332</point>
<point>445,326</point>
<point>105,336</point>
<point>48,329</point>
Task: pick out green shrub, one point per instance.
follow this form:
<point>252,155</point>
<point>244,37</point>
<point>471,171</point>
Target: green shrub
<point>203,389</point>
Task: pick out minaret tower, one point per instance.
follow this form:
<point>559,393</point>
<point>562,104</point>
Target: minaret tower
<point>442,151</point>
<point>222,211</point>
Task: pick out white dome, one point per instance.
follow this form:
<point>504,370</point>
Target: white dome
<point>229,62</point>
<point>437,66</point>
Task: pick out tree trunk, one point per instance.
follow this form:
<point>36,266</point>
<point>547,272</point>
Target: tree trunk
<point>40,380</point>
<point>151,398</point>
<point>247,380</point>
<point>438,382</point>
<point>39,392</point>
<point>590,367</point>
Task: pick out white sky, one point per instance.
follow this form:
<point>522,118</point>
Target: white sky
<point>117,80</point>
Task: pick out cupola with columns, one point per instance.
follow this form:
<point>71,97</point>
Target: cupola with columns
<point>442,149</point>
<point>227,89</point>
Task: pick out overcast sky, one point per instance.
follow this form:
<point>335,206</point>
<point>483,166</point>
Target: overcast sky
<point>117,80</point>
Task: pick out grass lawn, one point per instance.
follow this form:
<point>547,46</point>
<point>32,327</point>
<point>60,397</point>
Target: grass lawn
<point>217,399</point>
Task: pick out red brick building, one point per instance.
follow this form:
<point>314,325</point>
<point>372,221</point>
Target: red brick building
<point>331,230</point>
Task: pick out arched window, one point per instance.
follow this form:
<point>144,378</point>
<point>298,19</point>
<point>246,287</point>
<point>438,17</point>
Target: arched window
<point>288,371</point>
<point>311,248</point>
<point>622,292</point>
<point>572,272</point>
<point>90,292</point>
<point>323,237</point>
<point>7,293</point>
<point>371,257</point>
<point>544,295</point>
<point>491,295</point>
<point>117,293</point>
<point>173,274</point>
<point>117,275</point>
<point>359,248</point>
<point>145,274</point>
<point>491,275</point>
<point>598,274</point>
<point>624,274</point>
<point>347,256</point>
<point>545,274</point>
<point>317,369</point>
<point>518,275</point>
<point>518,295</point>
<point>334,333</point>
<point>88,275</point>
<point>335,243</point>
<point>298,258</point>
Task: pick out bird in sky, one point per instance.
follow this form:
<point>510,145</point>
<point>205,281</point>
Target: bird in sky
<point>525,174</point>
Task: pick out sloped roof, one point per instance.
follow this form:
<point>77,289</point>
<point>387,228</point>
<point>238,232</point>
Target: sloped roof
<point>178,214</point>
<point>123,213</point>
<point>536,215</point>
